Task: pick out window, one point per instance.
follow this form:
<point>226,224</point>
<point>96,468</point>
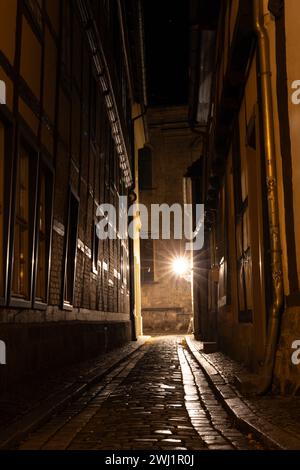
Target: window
<point>222,248</point>
<point>243,245</point>
<point>44,215</point>
<point>123,265</point>
<point>2,195</point>
<point>93,108</point>
<point>32,229</point>
<point>70,250</point>
<point>95,249</point>
<point>66,38</point>
<point>147,262</point>
<point>145,168</point>
<point>24,224</point>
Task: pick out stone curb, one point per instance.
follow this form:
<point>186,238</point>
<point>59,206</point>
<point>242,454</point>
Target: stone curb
<point>32,420</point>
<point>270,435</point>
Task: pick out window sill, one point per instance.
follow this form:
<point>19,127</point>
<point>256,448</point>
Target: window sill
<point>149,282</point>
<point>20,303</point>
<point>39,305</point>
<point>67,306</point>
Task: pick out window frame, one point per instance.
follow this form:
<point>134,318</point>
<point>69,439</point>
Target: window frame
<point>145,162</point>
<point>7,119</point>
<point>223,248</point>
<point>241,207</point>
<point>48,167</point>
<point>95,251</point>
<point>24,138</point>
<point>144,259</point>
<point>66,305</point>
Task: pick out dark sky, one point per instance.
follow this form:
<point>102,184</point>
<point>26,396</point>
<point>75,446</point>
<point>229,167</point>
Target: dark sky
<point>167,40</point>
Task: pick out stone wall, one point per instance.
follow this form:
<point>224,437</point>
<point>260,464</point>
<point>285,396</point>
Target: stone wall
<point>167,301</point>
<point>166,321</point>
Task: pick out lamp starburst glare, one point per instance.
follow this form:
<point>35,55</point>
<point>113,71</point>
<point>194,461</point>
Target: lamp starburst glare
<point>180,266</point>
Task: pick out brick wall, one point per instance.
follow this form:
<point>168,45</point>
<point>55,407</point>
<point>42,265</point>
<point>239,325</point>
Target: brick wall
<point>66,123</point>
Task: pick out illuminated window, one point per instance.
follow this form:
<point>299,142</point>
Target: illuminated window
<point>44,208</point>
<point>21,264</point>
<point>32,228</point>
<point>41,269</point>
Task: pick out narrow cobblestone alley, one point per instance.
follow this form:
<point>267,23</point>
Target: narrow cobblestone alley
<point>149,232</point>
<point>158,399</point>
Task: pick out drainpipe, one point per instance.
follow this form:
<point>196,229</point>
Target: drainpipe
<point>132,287</point>
<point>133,186</point>
<point>131,200</point>
<point>273,207</point>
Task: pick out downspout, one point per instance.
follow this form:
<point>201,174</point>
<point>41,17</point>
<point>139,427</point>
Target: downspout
<point>131,200</point>
<point>132,195</point>
<point>133,186</point>
<point>132,286</point>
<point>273,207</point>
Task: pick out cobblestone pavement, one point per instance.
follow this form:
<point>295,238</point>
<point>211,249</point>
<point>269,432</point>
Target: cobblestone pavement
<point>280,411</point>
<point>157,399</point>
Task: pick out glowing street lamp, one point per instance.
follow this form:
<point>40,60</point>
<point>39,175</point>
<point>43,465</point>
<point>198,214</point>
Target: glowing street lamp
<point>180,266</point>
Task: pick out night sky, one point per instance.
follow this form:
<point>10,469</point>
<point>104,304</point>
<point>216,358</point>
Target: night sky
<point>167,43</point>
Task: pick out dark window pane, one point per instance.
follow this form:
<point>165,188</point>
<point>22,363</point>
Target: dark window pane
<point>71,249</point>
<point>145,168</point>
<point>95,249</point>
<point>44,208</point>
<point>147,262</point>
